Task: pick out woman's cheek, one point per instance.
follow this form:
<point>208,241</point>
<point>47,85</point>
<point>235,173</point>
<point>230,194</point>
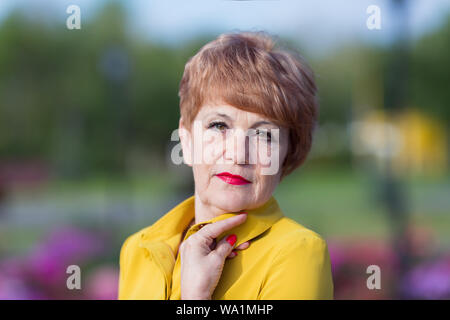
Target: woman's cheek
<point>264,153</point>
<point>212,149</point>
<point>204,179</point>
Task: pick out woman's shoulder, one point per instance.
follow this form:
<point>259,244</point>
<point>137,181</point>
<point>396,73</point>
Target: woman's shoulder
<point>298,263</point>
<point>287,234</point>
<point>133,239</point>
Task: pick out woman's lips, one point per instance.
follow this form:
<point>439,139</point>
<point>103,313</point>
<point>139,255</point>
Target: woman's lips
<point>232,178</point>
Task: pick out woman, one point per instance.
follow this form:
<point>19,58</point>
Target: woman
<point>237,84</point>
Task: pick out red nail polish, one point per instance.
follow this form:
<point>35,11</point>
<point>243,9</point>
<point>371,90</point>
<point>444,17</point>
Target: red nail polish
<point>231,239</point>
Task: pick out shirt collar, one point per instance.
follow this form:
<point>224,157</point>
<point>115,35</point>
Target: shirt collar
<point>176,220</point>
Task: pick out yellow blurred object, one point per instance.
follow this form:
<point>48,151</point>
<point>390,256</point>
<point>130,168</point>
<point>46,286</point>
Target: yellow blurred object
<point>424,149</point>
<point>415,143</point>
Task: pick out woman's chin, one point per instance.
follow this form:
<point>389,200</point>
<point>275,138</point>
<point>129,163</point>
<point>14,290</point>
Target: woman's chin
<point>232,200</point>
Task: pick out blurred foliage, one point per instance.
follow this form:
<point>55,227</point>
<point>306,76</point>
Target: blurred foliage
<point>430,77</point>
<point>59,103</point>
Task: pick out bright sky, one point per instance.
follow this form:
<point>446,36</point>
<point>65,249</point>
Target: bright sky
<point>319,24</point>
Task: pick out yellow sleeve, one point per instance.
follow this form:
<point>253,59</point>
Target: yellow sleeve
<point>300,271</point>
<point>123,268</point>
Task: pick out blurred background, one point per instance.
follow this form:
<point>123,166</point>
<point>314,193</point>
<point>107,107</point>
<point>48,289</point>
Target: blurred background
<point>86,117</point>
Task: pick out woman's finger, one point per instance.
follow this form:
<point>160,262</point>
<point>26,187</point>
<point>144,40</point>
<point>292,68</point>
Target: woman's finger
<point>225,246</point>
<point>212,246</point>
<point>243,246</point>
<point>215,229</point>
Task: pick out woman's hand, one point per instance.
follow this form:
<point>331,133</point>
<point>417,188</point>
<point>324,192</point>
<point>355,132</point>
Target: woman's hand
<point>242,246</point>
<point>202,259</point>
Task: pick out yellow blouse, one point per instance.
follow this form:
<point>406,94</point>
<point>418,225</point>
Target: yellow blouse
<point>285,260</point>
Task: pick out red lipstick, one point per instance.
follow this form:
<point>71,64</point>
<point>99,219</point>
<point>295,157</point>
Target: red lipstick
<point>232,178</point>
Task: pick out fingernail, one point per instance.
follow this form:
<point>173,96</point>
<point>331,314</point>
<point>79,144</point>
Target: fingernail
<point>235,253</point>
<point>231,239</point>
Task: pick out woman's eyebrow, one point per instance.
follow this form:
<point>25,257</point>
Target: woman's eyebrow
<point>223,115</point>
<point>258,123</point>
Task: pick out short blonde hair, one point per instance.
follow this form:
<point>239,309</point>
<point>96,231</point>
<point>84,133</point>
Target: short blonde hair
<point>246,71</point>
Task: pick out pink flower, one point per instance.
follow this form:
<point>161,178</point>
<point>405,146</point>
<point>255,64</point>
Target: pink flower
<point>102,283</point>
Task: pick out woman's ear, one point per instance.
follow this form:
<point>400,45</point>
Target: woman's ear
<point>186,142</point>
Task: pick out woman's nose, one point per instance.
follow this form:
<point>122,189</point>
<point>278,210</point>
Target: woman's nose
<point>237,147</point>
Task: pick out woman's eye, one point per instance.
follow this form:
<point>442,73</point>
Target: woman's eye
<point>264,134</point>
<point>218,125</point>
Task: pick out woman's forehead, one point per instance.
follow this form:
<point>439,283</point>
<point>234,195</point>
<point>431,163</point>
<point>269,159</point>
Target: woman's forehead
<point>231,112</point>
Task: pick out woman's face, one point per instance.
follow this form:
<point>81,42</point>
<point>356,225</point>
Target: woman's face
<point>237,142</point>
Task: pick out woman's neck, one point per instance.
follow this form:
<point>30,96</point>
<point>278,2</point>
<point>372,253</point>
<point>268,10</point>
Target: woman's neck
<point>205,211</point>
